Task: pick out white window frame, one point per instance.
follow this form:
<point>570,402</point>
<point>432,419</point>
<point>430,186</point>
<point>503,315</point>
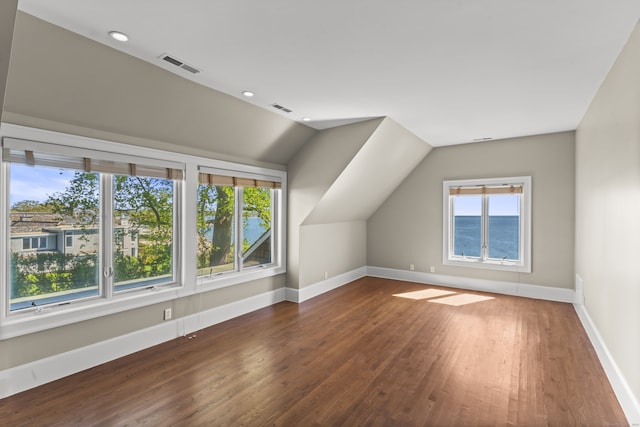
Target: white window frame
<point>448,258</point>
<point>278,217</point>
<point>51,316</point>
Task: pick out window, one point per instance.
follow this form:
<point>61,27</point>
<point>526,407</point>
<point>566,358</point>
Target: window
<point>77,189</point>
<point>95,227</point>
<point>487,223</point>
<point>235,218</point>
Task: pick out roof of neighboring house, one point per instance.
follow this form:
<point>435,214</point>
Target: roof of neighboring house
<point>37,222</point>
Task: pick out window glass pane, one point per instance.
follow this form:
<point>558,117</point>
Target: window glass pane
<point>143,212</point>
<point>504,226</point>
<point>467,216</point>
<point>256,226</point>
<point>216,223</point>
<point>45,204</point>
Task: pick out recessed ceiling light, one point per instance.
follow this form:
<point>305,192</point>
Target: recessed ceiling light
<point>117,35</point>
<point>306,119</point>
<point>248,93</point>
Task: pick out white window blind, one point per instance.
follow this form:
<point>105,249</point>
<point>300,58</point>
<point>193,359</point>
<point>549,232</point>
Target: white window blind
<point>42,154</point>
<point>218,177</point>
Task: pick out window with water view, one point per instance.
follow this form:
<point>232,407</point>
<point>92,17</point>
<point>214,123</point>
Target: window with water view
<point>235,224</point>
<point>486,223</point>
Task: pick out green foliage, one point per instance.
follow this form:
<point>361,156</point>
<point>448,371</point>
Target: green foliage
<point>148,205</point>
<point>82,197</point>
<point>215,220</point>
<point>257,203</point>
<point>31,206</point>
<point>46,273</point>
<point>215,217</point>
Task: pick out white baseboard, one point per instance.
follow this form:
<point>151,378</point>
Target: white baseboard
<point>628,401</point>
<point>318,288</point>
<point>20,378</point>
<point>507,288</point>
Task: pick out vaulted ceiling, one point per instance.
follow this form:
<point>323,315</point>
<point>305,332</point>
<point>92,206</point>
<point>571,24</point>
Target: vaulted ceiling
<point>448,71</point>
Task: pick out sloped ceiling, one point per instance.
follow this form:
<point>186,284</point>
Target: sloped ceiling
<point>381,164</point>
<point>448,71</point>
<point>66,82</point>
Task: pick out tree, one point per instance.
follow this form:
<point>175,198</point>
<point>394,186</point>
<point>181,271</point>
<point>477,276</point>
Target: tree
<point>81,199</point>
<point>31,206</point>
<point>146,203</point>
<point>215,213</point>
<point>216,207</point>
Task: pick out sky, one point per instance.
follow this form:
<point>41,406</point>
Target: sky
<point>36,183</point>
<point>499,205</point>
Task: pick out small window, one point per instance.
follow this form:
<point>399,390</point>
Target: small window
<point>68,239</point>
<point>26,243</point>
<point>235,222</point>
<point>487,223</point>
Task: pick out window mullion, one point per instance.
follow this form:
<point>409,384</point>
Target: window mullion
<point>106,240</point>
<point>238,211</point>
<point>485,227</point>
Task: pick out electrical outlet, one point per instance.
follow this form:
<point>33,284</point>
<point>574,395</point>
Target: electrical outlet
<point>412,267</point>
<point>167,314</point>
<point>432,269</point>
<point>326,275</point>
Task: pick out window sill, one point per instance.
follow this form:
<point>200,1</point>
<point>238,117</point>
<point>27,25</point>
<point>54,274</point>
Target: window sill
<point>230,278</point>
<point>488,265</point>
<point>54,316</point>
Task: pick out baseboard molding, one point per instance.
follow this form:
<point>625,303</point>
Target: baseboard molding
<point>628,401</point>
<point>24,377</point>
<point>457,282</point>
<point>318,288</point>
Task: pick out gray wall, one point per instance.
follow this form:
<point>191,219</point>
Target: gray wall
<point>311,173</point>
<point>8,10</point>
<point>608,210</point>
<point>336,182</point>
<point>407,229</point>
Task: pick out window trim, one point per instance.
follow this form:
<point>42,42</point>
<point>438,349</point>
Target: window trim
<point>51,316</point>
<point>522,266</point>
<point>277,209</point>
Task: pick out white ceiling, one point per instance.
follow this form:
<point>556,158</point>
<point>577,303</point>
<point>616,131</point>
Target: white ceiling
<point>450,71</point>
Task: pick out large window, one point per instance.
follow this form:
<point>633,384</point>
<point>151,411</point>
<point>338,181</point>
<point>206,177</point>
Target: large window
<point>487,223</point>
<point>66,195</point>
<point>235,219</point>
<point>94,227</point>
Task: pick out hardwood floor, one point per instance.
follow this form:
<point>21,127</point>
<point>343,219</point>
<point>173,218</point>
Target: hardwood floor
<point>356,356</point>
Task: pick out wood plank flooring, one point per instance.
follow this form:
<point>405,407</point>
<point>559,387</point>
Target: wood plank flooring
<point>355,356</point>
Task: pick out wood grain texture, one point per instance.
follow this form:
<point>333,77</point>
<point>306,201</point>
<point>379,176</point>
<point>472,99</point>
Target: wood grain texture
<point>355,356</point>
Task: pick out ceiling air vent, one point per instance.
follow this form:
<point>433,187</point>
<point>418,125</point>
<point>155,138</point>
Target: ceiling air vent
<point>178,63</point>
<point>280,107</point>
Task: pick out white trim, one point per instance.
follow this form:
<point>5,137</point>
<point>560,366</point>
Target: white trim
<point>458,282</point>
<point>448,258</point>
<point>20,378</point>
<point>628,402</point>
<point>318,288</point>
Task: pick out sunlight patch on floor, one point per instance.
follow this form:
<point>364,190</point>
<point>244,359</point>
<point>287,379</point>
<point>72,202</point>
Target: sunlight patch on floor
<point>424,294</point>
<point>461,299</point>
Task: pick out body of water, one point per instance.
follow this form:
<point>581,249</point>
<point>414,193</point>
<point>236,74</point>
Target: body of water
<point>503,239</point>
